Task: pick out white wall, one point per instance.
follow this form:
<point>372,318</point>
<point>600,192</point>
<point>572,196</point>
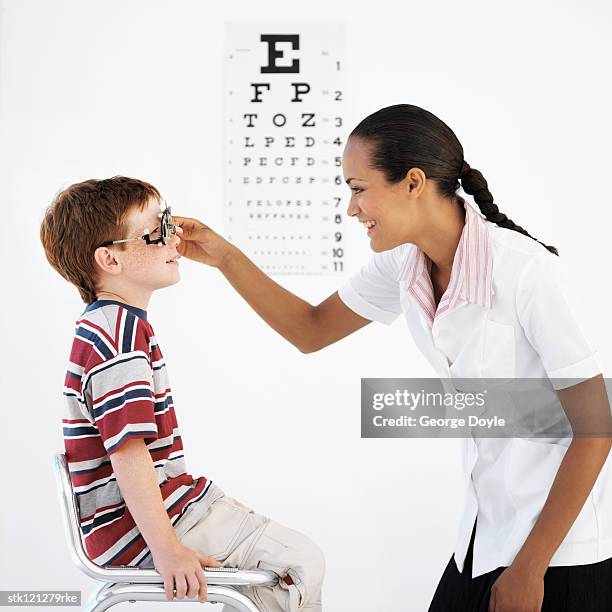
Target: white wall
<point>93,89</point>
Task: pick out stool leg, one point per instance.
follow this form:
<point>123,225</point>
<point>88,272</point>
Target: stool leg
<point>99,597</point>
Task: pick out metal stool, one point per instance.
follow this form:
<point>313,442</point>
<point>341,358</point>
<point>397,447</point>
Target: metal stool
<point>126,583</point>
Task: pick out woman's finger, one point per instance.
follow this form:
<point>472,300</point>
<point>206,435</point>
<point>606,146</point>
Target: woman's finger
<point>492,601</point>
<point>189,225</point>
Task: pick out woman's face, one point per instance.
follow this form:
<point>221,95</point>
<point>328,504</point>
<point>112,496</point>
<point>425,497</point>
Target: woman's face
<point>389,211</point>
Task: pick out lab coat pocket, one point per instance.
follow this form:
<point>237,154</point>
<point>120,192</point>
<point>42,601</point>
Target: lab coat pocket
<point>498,351</point>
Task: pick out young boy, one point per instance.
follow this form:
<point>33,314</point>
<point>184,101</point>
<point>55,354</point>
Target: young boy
<point>138,505</point>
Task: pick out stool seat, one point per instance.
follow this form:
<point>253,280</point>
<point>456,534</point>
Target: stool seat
<point>127,583</point>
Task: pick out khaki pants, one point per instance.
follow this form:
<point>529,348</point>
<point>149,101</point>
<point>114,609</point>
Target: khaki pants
<point>237,536</point>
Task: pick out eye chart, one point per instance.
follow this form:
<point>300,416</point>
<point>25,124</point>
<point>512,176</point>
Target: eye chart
<point>285,198</point>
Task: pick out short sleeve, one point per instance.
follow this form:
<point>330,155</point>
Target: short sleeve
<point>550,323</point>
<point>373,292</point>
<point>120,393</point>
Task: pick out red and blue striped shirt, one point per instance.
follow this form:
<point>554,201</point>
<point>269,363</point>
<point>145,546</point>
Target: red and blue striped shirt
<point>116,389</point>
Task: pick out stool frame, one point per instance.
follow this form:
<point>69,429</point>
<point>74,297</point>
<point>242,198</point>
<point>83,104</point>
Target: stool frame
<point>126,583</point>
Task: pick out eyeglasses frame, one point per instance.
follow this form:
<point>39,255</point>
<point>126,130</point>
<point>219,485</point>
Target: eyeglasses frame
<point>166,227</point>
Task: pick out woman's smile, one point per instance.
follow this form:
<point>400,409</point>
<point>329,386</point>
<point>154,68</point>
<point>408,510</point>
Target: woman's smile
<point>369,225</point>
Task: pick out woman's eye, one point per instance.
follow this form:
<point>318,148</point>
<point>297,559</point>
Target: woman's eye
<point>356,190</point>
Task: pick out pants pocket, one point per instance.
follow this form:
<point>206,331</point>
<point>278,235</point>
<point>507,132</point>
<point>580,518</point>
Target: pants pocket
<point>220,530</point>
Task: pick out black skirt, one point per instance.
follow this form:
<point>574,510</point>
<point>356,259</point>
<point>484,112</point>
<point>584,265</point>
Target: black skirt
<point>567,588</point>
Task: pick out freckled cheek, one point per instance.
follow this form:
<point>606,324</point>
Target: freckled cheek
<point>142,261</point>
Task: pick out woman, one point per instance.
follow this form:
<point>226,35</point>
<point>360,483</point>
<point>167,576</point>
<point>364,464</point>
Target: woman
<point>482,299</point>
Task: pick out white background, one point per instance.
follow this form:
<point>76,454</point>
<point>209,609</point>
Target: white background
<point>94,89</point>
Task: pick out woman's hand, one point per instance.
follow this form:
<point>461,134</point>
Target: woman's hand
<point>200,243</point>
<point>517,590</point>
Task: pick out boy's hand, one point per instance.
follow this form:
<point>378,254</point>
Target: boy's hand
<point>200,243</point>
<point>181,566</point>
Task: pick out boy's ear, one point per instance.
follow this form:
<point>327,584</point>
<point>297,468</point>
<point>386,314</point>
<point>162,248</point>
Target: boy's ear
<point>106,261</point>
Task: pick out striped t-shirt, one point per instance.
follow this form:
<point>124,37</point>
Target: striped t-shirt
<point>116,389</point>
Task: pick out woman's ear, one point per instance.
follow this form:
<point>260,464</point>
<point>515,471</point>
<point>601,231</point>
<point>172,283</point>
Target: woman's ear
<point>106,262</point>
<point>414,181</point>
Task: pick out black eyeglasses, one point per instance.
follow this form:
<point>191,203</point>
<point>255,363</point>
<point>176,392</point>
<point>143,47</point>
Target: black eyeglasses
<point>159,235</point>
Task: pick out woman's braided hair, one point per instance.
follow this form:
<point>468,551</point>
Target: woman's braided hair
<point>406,136</point>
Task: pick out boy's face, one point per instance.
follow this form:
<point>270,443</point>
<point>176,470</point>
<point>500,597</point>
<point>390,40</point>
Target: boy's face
<point>147,266</point>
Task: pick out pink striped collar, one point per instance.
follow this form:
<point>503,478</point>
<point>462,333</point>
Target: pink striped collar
<point>470,279</point>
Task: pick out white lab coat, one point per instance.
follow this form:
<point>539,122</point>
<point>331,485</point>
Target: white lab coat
<point>526,330</point>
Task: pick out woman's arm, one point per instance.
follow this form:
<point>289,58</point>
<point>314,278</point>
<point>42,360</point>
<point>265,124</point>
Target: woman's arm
<point>307,327</point>
<point>588,410</point>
